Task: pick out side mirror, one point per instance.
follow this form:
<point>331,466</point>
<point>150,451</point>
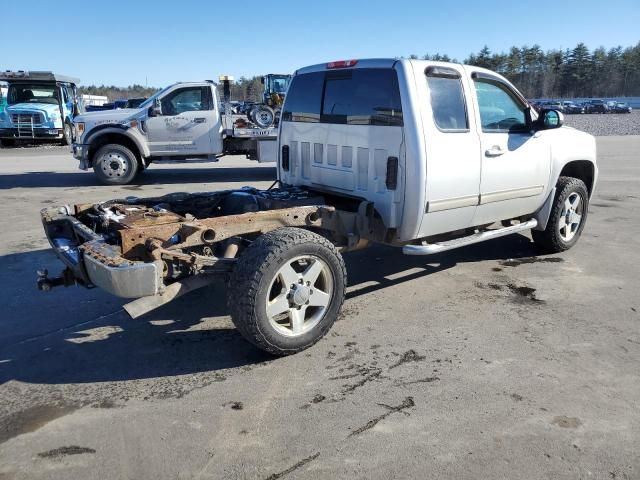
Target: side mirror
<point>550,119</point>
<point>156,109</point>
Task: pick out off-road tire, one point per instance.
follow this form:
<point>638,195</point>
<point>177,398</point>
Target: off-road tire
<point>67,134</point>
<point>549,240</point>
<point>107,177</point>
<point>250,280</point>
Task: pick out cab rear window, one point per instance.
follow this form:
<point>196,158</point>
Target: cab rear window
<point>351,97</point>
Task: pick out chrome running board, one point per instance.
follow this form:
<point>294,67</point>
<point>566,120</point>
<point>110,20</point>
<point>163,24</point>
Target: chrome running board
<point>428,249</point>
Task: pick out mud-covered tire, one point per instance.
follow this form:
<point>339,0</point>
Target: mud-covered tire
<point>67,134</point>
<point>253,280</point>
<point>115,164</point>
<point>551,239</point>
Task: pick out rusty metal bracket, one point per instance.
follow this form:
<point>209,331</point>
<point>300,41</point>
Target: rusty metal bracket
<point>208,231</point>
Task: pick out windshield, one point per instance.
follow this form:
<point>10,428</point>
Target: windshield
<point>36,93</point>
<point>149,101</point>
<point>278,84</point>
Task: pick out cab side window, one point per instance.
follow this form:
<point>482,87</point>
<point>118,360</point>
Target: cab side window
<point>188,99</point>
<point>500,111</point>
<point>447,99</point>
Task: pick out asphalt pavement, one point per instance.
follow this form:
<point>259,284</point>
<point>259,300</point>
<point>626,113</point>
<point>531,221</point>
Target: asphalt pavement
<point>483,362</point>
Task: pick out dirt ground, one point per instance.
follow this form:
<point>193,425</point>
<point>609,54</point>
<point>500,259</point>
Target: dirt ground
<point>485,362</point>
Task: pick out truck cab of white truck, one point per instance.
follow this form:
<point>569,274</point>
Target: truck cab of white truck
<point>182,122</point>
<point>425,156</point>
<point>462,145</point>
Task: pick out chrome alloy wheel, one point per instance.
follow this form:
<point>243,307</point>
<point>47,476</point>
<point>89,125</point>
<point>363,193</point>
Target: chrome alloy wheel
<point>299,295</point>
<point>571,217</point>
<point>114,164</point>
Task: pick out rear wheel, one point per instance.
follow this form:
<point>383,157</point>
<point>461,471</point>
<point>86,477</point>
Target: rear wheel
<point>286,290</point>
<point>567,219</point>
<point>115,164</point>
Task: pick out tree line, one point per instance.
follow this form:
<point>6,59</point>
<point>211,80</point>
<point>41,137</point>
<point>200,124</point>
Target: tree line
<point>117,93</point>
<point>570,73</point>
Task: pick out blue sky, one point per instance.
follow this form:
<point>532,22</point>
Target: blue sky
<point>159,42</point>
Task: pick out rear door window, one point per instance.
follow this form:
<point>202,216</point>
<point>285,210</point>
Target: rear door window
<point>352,97</point>
<point>447,99</point>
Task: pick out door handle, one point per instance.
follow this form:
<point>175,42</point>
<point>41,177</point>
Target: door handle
<point>494,151</point>
<point>199,120</point>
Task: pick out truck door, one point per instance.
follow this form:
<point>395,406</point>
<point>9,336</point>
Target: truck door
<point>188,125</point>
<point>516,163</point>
<point>452,149</point>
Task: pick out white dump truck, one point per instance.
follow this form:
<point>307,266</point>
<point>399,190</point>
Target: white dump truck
<point>182,122</point>
<point>424,156</point>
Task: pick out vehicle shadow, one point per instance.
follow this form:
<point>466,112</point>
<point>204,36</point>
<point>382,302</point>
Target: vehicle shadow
<point>75,335</point>
<point>153,176</point>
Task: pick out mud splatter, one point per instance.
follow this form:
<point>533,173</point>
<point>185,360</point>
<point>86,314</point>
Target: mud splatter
<point>527,294</point>
<point>515,262</point>
<point>420,380</point>
<point>407,357</point>
<point>298,465</point>
<point>318,398</point>
<point>406,403</point>
<point>64,451</point>
<point>566,422</point>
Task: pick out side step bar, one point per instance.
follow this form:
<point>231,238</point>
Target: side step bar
<point>469,240</point>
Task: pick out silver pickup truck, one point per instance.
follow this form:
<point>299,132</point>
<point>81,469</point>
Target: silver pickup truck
<point>424,156</point>
<point>182,122</point>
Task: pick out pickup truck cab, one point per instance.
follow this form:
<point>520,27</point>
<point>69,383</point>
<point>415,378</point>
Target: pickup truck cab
<point>182,122</point>
<point>39,106</point>
<point>424,156</point>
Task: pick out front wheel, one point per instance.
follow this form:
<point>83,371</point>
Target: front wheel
<point>286,290</point>
<point>115,164</point>
<point>567,219</point>
<point>67,135</point>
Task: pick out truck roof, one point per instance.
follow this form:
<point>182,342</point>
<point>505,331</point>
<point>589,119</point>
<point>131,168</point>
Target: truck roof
<point>36,76</point>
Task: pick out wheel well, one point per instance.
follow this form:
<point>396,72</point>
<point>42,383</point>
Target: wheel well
<point>582,169</point>
<point>118,138</point>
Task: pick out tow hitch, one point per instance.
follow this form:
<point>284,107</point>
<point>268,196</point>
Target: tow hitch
<point>44,283</point>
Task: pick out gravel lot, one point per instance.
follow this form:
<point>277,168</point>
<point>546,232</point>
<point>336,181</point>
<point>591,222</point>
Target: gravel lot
<point>487,362</point>
<point>606,125</point>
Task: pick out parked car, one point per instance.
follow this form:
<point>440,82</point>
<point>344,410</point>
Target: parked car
<point>621,107</point>
<point>553,105</point>
<point>424,156</point>
<point>596,106</point>
<point>135,102</point>
<point>571,107</point>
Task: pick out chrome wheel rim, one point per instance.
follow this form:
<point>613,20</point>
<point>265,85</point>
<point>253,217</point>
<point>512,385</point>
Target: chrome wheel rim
<point>299,295</point>
<point>264,118</point>
<point>571,217</point>
<point>114,164</point>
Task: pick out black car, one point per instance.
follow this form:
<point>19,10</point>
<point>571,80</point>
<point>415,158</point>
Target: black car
<point>572,107</point>
<point>596,106</point>
<point>621,107</point>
